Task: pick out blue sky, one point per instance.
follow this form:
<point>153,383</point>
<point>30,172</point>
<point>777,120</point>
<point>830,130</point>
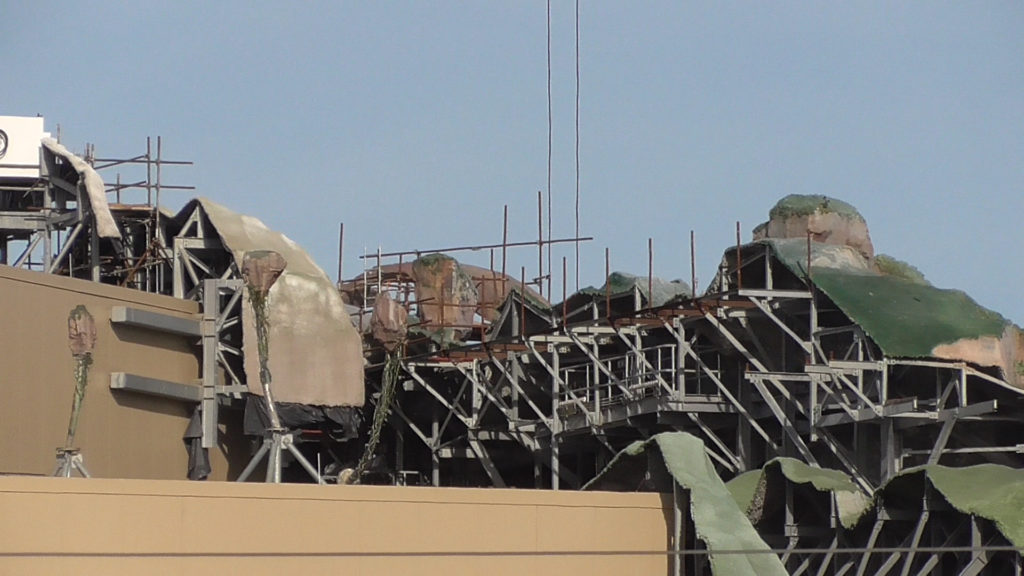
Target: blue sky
<point>414,122</point>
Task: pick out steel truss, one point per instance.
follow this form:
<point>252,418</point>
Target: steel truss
<point>764,368</point>
<point>918,533</point>
<point>926,532</point>
<point>51,225</point>
<point>51,222</point>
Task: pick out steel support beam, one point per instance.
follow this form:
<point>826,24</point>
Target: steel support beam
<point>155,387</point>
<point>155,321</point>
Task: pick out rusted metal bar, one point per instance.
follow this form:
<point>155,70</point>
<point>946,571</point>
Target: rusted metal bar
<point>564,300</point>
<point>447,304</point>
<point>159,158</point>
<point>140,159</point>
<point>404,287</point>
<point>475,248</point>
<point>366,288</point>
<point>472,325</point>
<point>341,251</point>
<point>504,251</point>
<point>693,265</point>
<point>607,284</point>
<point>739,259</point>
<point>149,172</point>
<point>650,272</point>
<point>504,241</point>
<point>522,306</point>
<point>549,243</point>
<point>135,267</point>
<point>540,242</point>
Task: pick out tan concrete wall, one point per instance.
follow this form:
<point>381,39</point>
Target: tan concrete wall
<point>54,525</point>
<point>121,434</point>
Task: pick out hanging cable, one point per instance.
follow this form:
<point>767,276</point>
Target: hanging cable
<point>549,153</point>
<point>577,235</point>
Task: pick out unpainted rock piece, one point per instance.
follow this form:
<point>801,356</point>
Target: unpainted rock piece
<point>389,323</point>
<point>828,220</point>
<point>445,293</point>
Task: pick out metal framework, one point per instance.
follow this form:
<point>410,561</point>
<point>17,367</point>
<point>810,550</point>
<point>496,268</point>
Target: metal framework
<point>763,366</point>
<point>50,219</point>
<point>918,533</point>
<point>52,226</point>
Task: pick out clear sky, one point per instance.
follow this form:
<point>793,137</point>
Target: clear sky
<point>414,122</point>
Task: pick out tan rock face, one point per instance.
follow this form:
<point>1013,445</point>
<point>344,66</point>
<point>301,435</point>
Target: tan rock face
<point>828,228</point>
<point>446,294</point>
<point>844,228</point>
<point>389,323</point>
<point>1005,352</point>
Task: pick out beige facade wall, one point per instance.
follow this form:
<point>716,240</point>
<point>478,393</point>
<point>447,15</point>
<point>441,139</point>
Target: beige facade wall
<point>121,434</point>
<point>54,525</point>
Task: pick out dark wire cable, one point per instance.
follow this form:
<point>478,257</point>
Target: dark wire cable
<point>577,234</point>
<point>549,155</point>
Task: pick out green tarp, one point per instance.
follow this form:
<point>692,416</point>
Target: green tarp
<point>751,488</point>
<point>989,491</point>
<point>717,519</point>
<point>906,319</point>
<point>620,283</point>
<point>743,487</point>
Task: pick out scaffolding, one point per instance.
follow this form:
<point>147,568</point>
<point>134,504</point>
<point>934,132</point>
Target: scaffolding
<point>52,221</point>
<point>56,226</point>
<point>764,364</point>
<point>512,390</point>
